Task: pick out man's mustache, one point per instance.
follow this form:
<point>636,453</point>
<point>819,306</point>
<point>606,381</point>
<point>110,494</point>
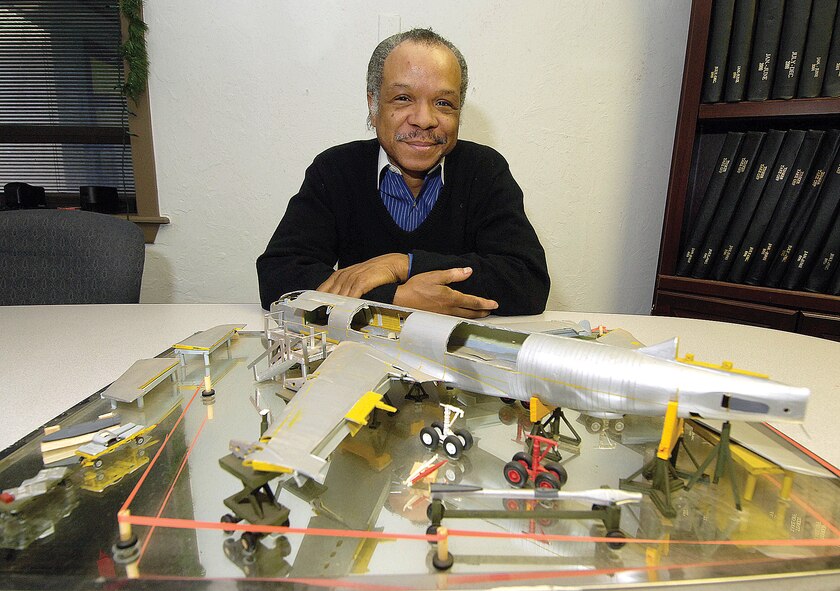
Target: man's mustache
<point>419,135</point>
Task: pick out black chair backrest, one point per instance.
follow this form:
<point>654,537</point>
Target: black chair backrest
<point>69,257</point>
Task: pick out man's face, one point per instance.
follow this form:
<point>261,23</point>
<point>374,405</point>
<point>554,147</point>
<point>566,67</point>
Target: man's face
<point>419,106</point>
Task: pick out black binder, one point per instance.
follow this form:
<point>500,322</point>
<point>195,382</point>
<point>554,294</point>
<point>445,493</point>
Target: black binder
<point>718,48</point>
<point>797,181</point>
<point>816,48</point>
<point>831,82</point>
<point>752,224</point>
<point>765,50</point>
<point>791,46</point>
<point>740,42</point>
<point>754,184</point>
<point>825,264</point>
<point>725,163</point>
<point>819,223</point>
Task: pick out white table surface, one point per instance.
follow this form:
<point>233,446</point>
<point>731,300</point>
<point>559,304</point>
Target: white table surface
<point>52,357</point>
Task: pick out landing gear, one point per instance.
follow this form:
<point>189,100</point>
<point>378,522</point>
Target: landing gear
<point>524,467</point>
<point>455,441</point>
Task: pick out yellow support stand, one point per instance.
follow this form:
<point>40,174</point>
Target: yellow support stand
<point>722,454</point>
<point>546,423</point>
<point>664,480</point>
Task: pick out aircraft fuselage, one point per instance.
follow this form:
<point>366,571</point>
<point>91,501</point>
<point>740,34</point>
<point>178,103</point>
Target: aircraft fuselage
<point>568,372</point>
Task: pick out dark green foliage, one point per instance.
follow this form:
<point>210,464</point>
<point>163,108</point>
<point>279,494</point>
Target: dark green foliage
<point>134,50</point>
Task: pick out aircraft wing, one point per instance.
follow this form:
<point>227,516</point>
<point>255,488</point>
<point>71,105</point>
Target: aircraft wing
<point>335,401</point>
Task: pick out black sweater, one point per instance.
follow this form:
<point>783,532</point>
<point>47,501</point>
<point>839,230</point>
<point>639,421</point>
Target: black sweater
<point>478,221</point>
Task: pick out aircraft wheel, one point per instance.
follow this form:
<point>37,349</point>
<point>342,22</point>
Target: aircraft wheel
<point>526,404</point>
<point>435,512</point>
<point>229,518</point>
<point>594,425</point>
<point>283,546</point>
<point>616,534</point>
<point>515,474</point>
<point>508,400</point>
<point>249,541</point>
<point>432,531</point>
<point>617,426</point>
<point>451,475</point>
<point>522,458</point>
<point>429,437</point>
<point>559,471</point>
<point>452,447</point>
<point>97,463</point>
<point>507,415</point>
<point>465,437</point>
<point>438,426</point>
<point>547,480</point>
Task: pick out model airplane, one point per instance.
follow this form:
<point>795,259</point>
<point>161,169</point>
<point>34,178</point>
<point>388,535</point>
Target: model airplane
<point>365,345</point>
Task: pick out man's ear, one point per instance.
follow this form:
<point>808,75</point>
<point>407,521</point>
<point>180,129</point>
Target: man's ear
<point>371,110</point>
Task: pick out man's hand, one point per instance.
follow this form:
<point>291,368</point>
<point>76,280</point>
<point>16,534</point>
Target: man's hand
<point>430,291</point>
<point>356,280</point>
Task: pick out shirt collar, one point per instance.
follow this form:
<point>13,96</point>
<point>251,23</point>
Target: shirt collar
<point>384,163</point>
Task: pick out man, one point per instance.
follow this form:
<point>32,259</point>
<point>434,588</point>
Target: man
<point>414,217</point>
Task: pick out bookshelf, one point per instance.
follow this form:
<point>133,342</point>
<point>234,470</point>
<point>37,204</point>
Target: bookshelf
<point>796,311</point>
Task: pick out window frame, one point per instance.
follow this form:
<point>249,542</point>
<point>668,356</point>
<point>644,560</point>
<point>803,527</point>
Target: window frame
<point>139,135</point>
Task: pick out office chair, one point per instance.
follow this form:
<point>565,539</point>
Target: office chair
<point>69,257</point>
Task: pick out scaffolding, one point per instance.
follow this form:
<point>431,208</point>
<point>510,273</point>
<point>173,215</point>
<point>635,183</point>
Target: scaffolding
<point>290,343</point>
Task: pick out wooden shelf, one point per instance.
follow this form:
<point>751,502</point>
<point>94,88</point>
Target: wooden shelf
<point>798,311</point>
<point>803,300</point>
<point>798,108</point>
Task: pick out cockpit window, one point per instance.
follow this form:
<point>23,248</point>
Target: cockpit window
<point>741,405</point>
<point>319,316</point>
<point>380,322</point>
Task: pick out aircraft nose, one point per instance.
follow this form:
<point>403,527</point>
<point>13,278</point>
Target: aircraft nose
<point>795,403</point>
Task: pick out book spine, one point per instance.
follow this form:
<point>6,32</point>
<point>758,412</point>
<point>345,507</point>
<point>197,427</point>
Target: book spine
<point>765,50</point>
<point>804,208</point>
<point>791,46</point>
<point>718,47</point>
<point>719,242</point>
<point>817,228</point>
<point>826,263</point>
<point>831,82</point>
<point>759,218</point>
<point>711,197</point>
<point>797,180</point>
<point>834,284</point>
<point>816,48</point>
<point>738,58</point>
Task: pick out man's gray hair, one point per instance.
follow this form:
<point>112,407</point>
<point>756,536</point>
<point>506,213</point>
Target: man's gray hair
<point>384,49</point>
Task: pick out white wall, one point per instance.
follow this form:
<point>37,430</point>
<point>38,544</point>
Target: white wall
<point>580,97</point>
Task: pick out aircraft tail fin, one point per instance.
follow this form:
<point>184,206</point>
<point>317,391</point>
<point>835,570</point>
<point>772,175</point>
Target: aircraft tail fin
<point>664,350</point>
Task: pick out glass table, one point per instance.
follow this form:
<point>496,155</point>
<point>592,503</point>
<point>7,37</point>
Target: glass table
<point>366,527</point>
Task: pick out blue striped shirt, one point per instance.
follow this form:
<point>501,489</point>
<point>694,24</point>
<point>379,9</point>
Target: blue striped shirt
<point>408,213</point>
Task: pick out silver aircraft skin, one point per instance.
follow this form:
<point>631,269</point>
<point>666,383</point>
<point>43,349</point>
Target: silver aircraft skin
<point>374,343</point>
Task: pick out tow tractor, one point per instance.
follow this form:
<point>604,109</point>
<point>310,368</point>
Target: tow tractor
<point>110,440</point>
